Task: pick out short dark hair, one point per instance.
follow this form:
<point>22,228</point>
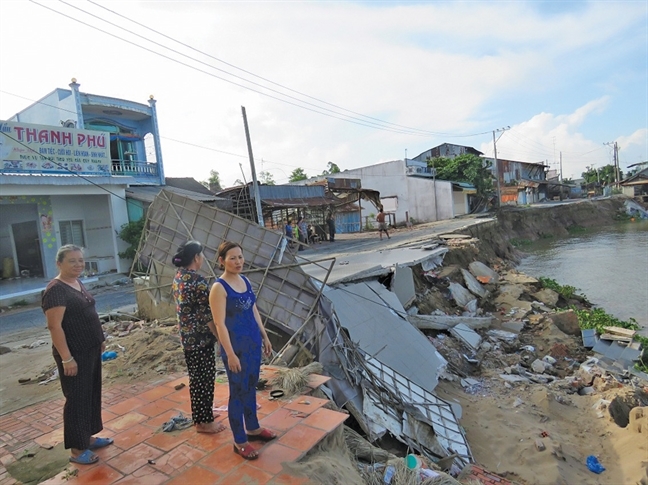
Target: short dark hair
<point>225,248</point>
<point>186,253</point>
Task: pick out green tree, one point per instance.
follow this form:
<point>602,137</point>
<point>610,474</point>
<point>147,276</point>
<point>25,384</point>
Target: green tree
<point>605,175</point>
<point>131,233</point>
<point>266,178</point>
<point>213,183</point>
<point>297,175</point>
<point>465,168</point>
<point>332,168</point>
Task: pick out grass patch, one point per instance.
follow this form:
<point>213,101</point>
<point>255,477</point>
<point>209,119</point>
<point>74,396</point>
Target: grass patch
<point>576,229</point>
<point>566,291</point>
<point>520,242</point>
<point>597,318</point>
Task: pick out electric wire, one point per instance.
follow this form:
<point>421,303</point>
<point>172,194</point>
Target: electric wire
<point>347,118</point>
<point>272,82</point>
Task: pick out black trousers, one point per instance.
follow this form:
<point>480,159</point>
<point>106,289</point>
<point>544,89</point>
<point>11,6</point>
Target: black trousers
<point>82,409</point>
<point>201,364</point>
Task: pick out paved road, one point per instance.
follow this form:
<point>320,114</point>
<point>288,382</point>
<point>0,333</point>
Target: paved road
<point>32,318</point>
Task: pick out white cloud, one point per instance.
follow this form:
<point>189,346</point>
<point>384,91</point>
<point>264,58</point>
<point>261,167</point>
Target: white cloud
<point>451,67</point>
<point>545,136</point>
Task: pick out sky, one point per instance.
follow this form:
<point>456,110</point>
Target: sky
<point>353,83</point>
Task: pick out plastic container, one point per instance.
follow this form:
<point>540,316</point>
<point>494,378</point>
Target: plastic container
<point>413,462</point>
<point>108,355</point>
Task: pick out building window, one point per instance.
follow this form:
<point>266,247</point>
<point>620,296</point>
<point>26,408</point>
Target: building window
<point>72,233</point>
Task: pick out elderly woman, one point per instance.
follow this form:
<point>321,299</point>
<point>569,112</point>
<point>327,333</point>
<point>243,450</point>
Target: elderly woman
<point>78,342</point>
<point>197,333</point>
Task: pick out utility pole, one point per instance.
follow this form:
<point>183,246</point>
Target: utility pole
<point>561,178</point>
<point>497,171</point>
<point>255,182</point>
<point>616,164</point>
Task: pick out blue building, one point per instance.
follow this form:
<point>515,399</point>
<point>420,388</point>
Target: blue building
<point>67,161</point>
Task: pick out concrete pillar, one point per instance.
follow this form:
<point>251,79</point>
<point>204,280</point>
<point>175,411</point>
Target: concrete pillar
<point>74,86</point>
<point>156,140</point>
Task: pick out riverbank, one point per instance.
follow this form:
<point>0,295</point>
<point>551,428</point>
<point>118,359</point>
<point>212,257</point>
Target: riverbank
<point>504,417</point>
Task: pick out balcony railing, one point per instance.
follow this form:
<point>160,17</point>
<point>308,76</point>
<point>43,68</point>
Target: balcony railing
<point>134,168</point>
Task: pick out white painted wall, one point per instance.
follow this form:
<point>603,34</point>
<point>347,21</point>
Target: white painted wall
<point>460,201</point>
<point>102,215</point>
<point>415,194</point>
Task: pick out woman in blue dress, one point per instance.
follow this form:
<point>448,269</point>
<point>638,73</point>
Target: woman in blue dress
<point>243,339</point>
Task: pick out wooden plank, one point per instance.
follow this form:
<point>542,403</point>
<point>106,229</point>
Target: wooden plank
<point>618,338</point>
<point>625,332</point>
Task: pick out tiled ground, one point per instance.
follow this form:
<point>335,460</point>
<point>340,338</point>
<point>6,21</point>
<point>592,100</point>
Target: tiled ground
<point>144,455</point>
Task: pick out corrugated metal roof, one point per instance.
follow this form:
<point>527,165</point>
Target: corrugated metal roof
<point>148,193</point>
<point>35,179</point>
<point>187,183</point>
<point>272,192</point>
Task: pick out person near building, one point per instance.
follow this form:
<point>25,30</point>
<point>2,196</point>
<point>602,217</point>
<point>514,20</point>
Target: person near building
<point>303,233</point>
<point>197,334</point>
<point>243,340</point>
<point>77,344</point>
<point>330,221</point>
<point>382,225</point>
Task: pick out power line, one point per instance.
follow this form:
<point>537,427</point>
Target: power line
<point>347,118</point>
<point>268,80</point>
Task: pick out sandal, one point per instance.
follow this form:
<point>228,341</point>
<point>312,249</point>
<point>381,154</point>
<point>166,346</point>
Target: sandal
<point>85,458</point>
<point>265,435</point>
<point>100,443</point>
<point>247,452</point>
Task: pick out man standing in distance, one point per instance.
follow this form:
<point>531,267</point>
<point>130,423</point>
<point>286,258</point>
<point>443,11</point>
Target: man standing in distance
<point>382,226</point>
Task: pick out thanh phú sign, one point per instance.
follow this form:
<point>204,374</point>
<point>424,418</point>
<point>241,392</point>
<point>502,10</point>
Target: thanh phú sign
<point>25,147</point>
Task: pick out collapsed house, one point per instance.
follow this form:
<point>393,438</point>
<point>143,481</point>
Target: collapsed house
<point>381,370</point>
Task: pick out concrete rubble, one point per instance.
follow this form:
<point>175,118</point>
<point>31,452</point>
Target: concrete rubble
<point>361,317</point>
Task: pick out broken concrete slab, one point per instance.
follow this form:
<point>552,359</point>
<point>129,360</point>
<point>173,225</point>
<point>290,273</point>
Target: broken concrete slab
<point>461,295</point>
<point>478,268</point>
<point>502,335</point>
<point>513,379</point>
<point>473,285</point>
<point>567,322</point>
<point>403,285</point>
<point>366,265</point>
<point>518,278</point>
<point>547,296</point>
<point>466,335</point>
<point>445,322</point>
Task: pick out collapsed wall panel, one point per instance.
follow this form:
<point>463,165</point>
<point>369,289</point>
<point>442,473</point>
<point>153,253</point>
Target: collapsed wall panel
<point>286,296</point>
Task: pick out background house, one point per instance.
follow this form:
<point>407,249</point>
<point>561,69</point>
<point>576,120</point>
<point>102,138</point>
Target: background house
<point>520,182</point>
<point>407,189</point>
<point>446,150</point>
<point>67,161</point>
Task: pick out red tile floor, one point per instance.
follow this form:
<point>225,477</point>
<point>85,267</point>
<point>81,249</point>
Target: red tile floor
<point>144,455</point>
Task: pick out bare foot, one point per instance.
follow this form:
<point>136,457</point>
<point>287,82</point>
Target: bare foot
<point>210,427</point>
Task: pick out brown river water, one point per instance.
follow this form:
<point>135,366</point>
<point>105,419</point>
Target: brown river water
<point>609,265</point>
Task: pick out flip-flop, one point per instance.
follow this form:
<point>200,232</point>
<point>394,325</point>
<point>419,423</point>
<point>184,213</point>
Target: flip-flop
<point>85,458</point>
<point>100,443</point>
<point>265,435</point>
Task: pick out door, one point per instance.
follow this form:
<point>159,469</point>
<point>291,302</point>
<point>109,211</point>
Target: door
<point>27,244</point>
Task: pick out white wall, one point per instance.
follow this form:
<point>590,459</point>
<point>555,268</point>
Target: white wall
<point>415,194</point>
<point>102,215</point>
<point>460,200</point>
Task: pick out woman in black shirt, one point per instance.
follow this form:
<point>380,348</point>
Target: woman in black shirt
<point>77,344</point>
